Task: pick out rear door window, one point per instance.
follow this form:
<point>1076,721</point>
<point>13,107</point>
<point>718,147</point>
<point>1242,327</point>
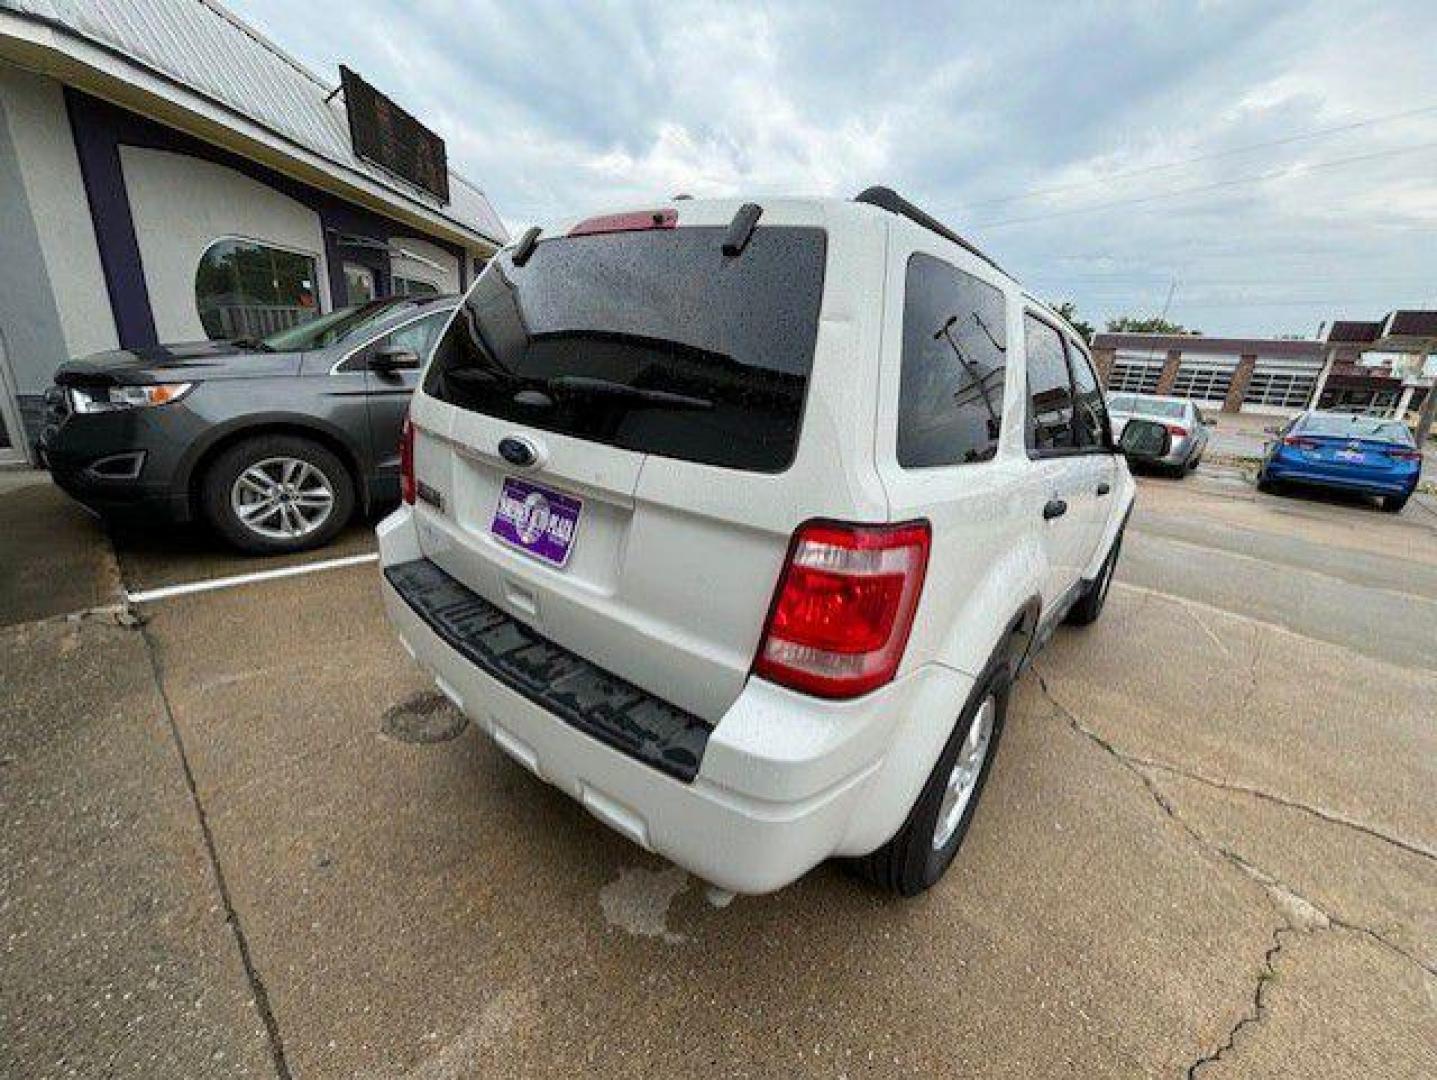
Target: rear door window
<point>1050,389</point>
<point>955,349</point>
<point>653,341</point>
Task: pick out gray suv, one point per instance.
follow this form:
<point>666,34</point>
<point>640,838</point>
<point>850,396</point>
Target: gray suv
<point>274,442</point>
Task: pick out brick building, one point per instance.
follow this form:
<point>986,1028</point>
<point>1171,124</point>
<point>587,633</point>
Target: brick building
<point>1382,367</point>
<point>1227,374</point>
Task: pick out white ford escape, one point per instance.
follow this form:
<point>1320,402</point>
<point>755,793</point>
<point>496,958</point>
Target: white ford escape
<point>737,523</point>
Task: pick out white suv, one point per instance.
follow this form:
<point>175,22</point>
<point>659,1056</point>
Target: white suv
<point>737,523</point>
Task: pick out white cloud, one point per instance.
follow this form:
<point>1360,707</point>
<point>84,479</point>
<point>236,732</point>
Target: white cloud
<point>559,110</point>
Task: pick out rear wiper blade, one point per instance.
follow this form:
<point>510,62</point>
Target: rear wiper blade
<point>579,385</point>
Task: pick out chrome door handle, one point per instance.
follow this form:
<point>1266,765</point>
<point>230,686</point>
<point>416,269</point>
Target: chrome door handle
<point>1054,508</point>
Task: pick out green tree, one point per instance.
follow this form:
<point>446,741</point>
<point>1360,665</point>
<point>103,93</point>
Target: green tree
<point>1149,324</point>
<point>1069,311</point>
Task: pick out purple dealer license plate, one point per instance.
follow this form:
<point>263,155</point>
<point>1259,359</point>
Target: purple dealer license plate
<point>536,520</point>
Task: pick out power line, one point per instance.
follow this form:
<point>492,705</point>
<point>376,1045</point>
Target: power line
<point>1385,301</point>
<point>1294,170</point>
<point>1109,178</point>
<point>1285,279</point>
<point>1246,251</point>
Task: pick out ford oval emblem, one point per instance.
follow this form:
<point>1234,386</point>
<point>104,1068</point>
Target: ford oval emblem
<point>518,452</point>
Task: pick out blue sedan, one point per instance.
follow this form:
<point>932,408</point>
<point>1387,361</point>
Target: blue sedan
<point>1362,454</point>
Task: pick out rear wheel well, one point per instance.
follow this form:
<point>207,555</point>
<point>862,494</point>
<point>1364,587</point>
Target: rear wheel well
<point>330,442</point>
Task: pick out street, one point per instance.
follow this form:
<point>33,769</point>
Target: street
<point>241,835</point>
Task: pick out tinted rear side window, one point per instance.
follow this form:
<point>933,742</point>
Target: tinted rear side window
<point>1050,391</point>
<point>594,335</point>
<point>955,344</point>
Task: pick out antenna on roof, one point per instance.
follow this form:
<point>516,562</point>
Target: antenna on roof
<point>885,198</point>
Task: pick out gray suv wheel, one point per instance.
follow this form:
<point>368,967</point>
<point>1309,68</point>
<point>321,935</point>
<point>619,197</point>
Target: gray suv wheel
<point>278,493</point>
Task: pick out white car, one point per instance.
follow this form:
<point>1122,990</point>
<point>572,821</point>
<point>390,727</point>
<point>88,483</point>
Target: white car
<point>738,522</point>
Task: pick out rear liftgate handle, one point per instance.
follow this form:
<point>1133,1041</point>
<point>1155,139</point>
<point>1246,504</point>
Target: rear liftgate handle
<point>1054,508</point>
<point>1103,489</point>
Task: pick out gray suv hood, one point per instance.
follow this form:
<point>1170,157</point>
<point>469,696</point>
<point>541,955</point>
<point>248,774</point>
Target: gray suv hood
<point>192,361</point>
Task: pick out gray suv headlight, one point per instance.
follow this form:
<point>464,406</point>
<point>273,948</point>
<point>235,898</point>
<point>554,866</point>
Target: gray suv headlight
<point>113,398</point>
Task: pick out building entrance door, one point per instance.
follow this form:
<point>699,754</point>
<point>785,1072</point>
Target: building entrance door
<point>358,283</point>
<point>12,432</point>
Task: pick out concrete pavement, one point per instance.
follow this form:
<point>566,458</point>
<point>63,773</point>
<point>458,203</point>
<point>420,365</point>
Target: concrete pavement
<point>1208,849</point>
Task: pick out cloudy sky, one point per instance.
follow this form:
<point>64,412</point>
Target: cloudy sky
<point>1272,164</point>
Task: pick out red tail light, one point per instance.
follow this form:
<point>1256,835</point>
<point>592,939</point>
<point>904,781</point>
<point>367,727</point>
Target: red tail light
<point>844,606</point>
<point>1405,455</point>
<point>1177,431</point>
<point>1298,442</point>
<point>406,461</point>
<point>634,221</point>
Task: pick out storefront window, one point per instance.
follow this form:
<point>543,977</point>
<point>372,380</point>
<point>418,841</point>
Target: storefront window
<point>246,289</point>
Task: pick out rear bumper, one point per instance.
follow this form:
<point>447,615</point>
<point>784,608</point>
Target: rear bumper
<point>1398,483</point>
<point>784,782</point>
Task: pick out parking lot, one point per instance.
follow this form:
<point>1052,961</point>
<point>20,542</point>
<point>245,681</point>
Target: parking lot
<point>241,835</point>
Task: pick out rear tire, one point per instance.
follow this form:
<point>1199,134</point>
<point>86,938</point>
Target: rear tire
<point>1266,486</point>
<point>1393,504</point>
<point>276,494</point>
<point>1086,611</point>
<point>924,847</point>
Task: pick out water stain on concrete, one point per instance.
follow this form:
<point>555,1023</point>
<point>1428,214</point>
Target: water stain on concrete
<point>423,718</point>
<point>638,901</point>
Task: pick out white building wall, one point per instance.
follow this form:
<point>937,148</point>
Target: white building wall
<point>181,205</point>
<point>45,152</point>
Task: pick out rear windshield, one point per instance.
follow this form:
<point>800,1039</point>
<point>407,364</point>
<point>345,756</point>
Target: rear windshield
<point>1357,427</point>
<point>1168,410</point>
<point>652,341</point>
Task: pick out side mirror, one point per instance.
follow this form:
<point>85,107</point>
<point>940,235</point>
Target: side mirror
<point>394,358</point>
<point>1145,440</point>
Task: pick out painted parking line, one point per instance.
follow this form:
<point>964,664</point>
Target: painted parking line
<point>146,596</point>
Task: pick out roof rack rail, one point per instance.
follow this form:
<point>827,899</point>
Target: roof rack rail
<point>885,198</point>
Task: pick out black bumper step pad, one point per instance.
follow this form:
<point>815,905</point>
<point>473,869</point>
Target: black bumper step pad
<point>579,693</point>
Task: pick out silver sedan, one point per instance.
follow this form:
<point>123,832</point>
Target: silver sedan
<point>1184,420</point>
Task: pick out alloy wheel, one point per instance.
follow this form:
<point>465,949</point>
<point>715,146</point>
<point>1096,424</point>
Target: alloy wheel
<point>282,498</point>
<point>967,769</point>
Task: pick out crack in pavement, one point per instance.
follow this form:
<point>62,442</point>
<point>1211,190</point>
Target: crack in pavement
<point>1258,1009</point>
<point>232,919</point>
<point>1299,915</point>
<point>1138,765</point>
<point>1331,817</point>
